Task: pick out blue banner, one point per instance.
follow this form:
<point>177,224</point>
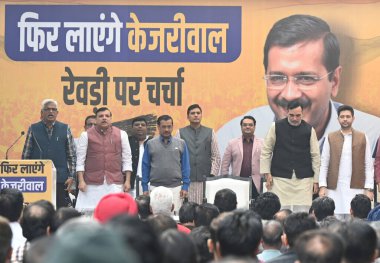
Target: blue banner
<point>123,33</point>
<point>24,184</point>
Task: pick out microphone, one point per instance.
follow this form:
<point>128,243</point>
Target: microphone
<point>18,138</point>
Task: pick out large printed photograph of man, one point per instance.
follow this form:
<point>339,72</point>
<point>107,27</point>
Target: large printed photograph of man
<point>301,62</point>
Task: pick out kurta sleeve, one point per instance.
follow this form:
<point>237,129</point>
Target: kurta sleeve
<point>267,150</point>
<point>315,155</point>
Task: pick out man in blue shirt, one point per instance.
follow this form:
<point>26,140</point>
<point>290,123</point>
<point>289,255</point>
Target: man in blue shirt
<point>166,162</point>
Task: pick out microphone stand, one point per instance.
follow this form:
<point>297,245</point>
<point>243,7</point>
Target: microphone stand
<point>18,138</point>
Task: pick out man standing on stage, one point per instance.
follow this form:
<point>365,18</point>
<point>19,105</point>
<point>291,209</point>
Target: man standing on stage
<point>104,158</point>
<point>290,160</point>
<point>137,142</point>
<point>88,123</point>
<point>52,140</point>
<point>203,150</point>
<point>346,164</point>
<point>243,154</point>
<point>166,162</point>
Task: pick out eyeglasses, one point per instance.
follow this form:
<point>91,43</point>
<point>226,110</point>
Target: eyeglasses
<point>304,82</point>
<point>247,124</point>
<point>50,109</point>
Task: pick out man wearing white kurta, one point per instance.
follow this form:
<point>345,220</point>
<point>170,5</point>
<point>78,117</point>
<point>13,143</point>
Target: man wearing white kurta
<point>104,156</point>
<point>346,164</point>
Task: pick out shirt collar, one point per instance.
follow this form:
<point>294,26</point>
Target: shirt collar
<point>101,131</point>
<point>47,126</point>
<point>162,139</point>
<point>249,140</point>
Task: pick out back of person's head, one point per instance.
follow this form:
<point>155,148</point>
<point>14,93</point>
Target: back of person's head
<point>62,215</point>
<point>37,219</point>
<point>281,215</point>
<point>236,259</point>
<point>319,246</point>
<point>177,247</point>
<point>374,214</point>
<point>161,200</point>
<point>272,232</point>
<point>93,243</point>
<point>161,222</point>
<point>297,223</point>
<point>38,249</point>
<point>5,240</point>
<point>328,221</point>
<point>115,204</point>
<point>187,212</point>
<point>239,233</point>
<point>360,241</point>
<point>360,206</point>
<point>205,213</point>
<point>266,205</point>
<point>139,236</point>
<point>143,204</point>
<point>376,226</point>
<point>11,204</point>
<point>225,200</point>
<point>323,207</point>
<point>200,235</point>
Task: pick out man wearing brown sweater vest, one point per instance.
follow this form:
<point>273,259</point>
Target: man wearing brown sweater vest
<point>346,164</point>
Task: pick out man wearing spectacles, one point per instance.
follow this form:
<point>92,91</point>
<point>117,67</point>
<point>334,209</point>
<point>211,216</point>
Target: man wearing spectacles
<point>243,154</point>
<point>301,62</point>
<point>52,140</point>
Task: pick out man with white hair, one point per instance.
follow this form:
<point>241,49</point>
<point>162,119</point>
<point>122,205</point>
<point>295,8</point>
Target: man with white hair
<point>52,140</point>
<point>161,201</point>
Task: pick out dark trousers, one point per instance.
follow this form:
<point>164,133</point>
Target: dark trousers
<point>255,193</point>
<point>63,198</point>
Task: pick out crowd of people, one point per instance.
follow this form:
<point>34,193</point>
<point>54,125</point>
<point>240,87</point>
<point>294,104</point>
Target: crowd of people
<point>143,230</point>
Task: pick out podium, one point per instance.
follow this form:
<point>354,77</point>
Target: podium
<point>36,179</point>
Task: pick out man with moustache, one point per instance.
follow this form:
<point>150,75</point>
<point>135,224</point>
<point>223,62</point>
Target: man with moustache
<point>52,140</point>
<point>104,159</point>
<point>166,163</point>
<point>301,62</point>
<point>346,164</point>
<point>290,160</point>
<point>137,141</point>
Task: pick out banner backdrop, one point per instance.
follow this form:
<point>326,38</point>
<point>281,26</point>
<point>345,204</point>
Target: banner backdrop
<point>158,57</point>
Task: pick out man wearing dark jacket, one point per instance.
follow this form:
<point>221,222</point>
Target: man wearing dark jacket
<point>137,143</point>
